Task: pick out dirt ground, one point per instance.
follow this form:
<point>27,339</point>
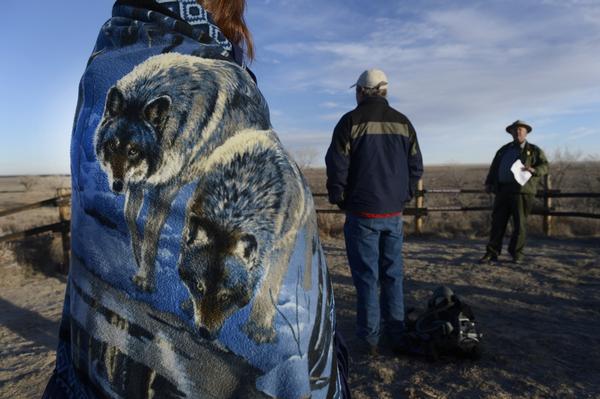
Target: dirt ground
<point>540,322</point>
<point>30,308</point>
<point>540,319</point>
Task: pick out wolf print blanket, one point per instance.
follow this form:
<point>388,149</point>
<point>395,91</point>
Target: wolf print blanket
<point>196,268</point>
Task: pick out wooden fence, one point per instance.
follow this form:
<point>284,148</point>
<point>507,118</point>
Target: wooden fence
<point>63,202</point>
<point>548,211</point>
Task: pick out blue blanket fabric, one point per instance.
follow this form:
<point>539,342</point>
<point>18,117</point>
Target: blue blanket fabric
<point>196,267</point>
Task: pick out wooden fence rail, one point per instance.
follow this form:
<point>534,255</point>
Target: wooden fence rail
<point>419,211</point>
<point>49,202</point>
<point>54,228</point>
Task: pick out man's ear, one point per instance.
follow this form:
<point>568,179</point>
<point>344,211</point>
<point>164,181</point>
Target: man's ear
<point>157,112</point>
<point>115,102</point>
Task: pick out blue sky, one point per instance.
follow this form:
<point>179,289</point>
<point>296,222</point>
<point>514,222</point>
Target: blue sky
<point>460,70</point>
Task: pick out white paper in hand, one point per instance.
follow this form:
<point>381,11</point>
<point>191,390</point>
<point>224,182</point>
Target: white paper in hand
<point>521,176</point>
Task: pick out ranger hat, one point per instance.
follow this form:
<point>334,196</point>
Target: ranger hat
<point>516,124</point>
<point>372,79</point>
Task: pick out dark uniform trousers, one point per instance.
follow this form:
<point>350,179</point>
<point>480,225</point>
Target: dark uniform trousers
<point>509,204</point>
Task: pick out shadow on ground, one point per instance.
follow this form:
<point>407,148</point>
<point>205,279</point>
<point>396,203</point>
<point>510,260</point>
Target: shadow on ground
<point>540,321</point>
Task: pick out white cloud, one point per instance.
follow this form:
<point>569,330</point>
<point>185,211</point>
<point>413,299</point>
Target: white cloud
<point>331,104</point>
<point>461,72</point>
<point>334,116</point>
<point>582,132</point>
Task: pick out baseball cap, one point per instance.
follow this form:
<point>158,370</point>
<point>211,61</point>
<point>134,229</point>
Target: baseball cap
<point>372,79</point>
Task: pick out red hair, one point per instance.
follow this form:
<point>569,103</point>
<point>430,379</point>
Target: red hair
<point>229,17</point>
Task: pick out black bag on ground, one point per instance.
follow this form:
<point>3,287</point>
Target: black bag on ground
<point>446,327</point>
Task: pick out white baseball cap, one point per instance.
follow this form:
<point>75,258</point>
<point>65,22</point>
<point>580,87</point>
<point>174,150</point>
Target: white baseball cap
<point>372,79</point>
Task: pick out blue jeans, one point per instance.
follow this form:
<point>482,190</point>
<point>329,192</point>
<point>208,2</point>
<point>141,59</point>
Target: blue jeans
<point>374,248</point>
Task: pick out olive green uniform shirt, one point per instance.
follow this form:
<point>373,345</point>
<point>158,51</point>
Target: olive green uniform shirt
<point>531,155</point>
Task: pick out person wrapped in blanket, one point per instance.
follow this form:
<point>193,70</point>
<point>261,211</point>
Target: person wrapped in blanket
<point>196,268</point>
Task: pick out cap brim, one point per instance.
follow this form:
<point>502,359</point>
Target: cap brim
<point>510,128</point>
<point>380,85</point>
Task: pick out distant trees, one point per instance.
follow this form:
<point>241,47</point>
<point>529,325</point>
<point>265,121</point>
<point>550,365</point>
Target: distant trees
<point>27,182</point>
<point>305,157</point>
<point>561,161</point>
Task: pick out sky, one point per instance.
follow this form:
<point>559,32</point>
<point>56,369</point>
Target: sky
<point>460,70</point>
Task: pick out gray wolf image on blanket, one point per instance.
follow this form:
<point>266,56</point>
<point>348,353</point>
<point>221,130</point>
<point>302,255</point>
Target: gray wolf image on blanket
<point>240,229</point>
<point>159,124</point>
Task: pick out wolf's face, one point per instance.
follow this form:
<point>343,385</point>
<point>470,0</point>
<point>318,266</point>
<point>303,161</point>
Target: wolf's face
<point>128,138</point>
<point>219,269</point>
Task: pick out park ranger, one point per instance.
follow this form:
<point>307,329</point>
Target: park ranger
<point>513,200</point>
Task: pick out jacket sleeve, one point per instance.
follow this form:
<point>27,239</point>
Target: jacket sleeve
<point>415,161</point>
<point>492,176</point>
<point>337,160</point>
<point>541,166</point>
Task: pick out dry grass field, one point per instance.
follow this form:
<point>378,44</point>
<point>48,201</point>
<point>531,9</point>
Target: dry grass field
<point>540,319</point>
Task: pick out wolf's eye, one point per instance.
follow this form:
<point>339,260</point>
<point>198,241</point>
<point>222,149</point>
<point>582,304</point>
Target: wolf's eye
<point>190,239</point>
<point>132,153</point>
<point>224,296</point>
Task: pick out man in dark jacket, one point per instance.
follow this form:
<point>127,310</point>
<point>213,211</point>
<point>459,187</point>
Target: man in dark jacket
<point>373,165</point>
<point>513,199</point>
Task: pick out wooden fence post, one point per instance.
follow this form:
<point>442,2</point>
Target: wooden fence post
<point>419,198</point>
<point>64,213</point>
<point>547,206</point>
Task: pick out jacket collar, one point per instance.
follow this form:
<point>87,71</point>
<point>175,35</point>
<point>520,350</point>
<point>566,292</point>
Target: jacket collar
<point>521,146</point>
<point>190,18</point>
<point>188,11</point>
<point>373,100</point>
<point>153,6</point>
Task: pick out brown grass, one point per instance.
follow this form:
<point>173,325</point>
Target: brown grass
<point>331,225</point>
<point>40,254</point>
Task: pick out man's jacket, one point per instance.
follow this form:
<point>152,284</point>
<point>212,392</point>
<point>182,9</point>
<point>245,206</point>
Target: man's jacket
<point>531,155</point>
<point>374,160</point>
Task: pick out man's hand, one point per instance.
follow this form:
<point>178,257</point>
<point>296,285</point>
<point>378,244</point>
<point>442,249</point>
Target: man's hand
<point>529,169</point>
